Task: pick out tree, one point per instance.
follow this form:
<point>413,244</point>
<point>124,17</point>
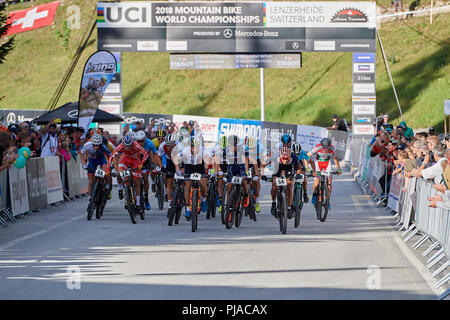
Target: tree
<point>6,45</point>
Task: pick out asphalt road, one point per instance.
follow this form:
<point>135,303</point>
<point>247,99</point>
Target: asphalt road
<point>355,254</point>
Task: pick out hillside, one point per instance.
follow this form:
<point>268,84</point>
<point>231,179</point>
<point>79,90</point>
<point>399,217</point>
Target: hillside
<point>418,54</point>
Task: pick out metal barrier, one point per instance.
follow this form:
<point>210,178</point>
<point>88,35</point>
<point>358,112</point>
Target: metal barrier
<point>411,209</point>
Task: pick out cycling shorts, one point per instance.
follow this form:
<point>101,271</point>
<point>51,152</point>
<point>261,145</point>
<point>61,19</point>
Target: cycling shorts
<point>169,170</point>
<point>323,166</point>
<point>236,170</point>
<point>93,163</point>
<point>147,165</point>
<point>194,168</point>
<point>126,162</point>
<point>224,167</point>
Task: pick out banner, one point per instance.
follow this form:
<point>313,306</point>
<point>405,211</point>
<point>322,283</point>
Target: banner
<point>73,177</point>
<point>161,120</point>
<point>8,116</point>
<point>3,189</point>
<point>310,136</point>
<point>53,177</point>
<point>339,141</point>
<point>272,132</point>
<point>239,127</point>
<point>18,190</point>
<point>395,192</point>
<point>32,18</point>
<point>98,72</point>
<point>236,27</point>
<point>209,126</point>
<point>37,184</point>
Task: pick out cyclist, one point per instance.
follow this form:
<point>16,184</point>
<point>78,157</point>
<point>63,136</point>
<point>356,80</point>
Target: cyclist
<point>148,145</point>
<point>304,159</point>
<point>92,154</point>
<point>168,167</point>
<point>191,157</point>
<point>255,151</point>
<point>220,166</point>
<point>131,150</point>
<point>160,135</point>
<point>238,165</point>
<point>286,162</point>
<point>322,154</point>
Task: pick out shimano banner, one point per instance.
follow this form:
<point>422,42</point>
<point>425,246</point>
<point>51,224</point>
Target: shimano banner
<point>241,128</point>
<point>98,72</point>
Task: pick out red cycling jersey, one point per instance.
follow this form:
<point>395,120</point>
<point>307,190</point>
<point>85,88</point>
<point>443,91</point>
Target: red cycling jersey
<point>131,153</point>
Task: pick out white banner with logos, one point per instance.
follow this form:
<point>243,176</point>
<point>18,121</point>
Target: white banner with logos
<point>54,185</point>
<point>310,136</point>
<point>18,190</point>
<point>208,125</point>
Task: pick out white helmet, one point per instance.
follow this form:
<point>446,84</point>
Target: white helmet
<point>139,136</point>
<point>97,139</point>
<point>170,139</point>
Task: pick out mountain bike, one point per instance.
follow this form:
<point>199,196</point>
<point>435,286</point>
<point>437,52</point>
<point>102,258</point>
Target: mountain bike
<point>159,194</point>
<point>281,198</point>
<point>211,198</point>
<point>323,195</point>
<point>250,210</point>
<point>224,197</point>
<point>194,197</point>
<point>177,201</point>
<point>98,196</point>
<point>297,201</point>
<point>234,210</point>
<point>130,193</point>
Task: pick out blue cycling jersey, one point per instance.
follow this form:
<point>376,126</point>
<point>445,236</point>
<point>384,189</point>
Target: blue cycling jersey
<point>303,155</point>
<point>149,146</point>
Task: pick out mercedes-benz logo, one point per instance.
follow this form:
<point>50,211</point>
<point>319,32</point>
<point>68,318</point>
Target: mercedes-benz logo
<point>73,113</point>
<point>295,45</point>
<point>11,118</point>
<point>227,33</point>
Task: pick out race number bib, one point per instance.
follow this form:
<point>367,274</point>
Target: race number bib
<point>100,173</point>
<point>195,176</point>
<point>125,174</point>
<point>236,180</point>
<point>281,182</point>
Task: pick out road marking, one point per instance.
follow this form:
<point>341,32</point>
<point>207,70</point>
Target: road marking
<point>357,202</point>
<point>38,233</point>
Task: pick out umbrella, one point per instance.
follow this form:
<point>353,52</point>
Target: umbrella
<point>68,113</point>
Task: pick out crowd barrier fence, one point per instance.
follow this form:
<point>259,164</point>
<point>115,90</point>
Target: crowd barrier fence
<point>41,183</point>
<point>408,202</point>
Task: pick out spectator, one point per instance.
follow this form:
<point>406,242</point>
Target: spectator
<point>434,171</point>
<point>339,124</point>
<point>407,131</point>
<point>64,152</point>
<point>398,7</point>
<point>49,140</point>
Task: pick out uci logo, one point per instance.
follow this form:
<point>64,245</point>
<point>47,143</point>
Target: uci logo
<point>123,14</point>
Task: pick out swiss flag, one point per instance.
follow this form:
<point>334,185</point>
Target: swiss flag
<point>32,18</point>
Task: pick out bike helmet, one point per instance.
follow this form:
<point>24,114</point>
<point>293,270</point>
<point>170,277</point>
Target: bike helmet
<point>128,140</point>
<point>285,138</point>
<point>104,79</point>
<point>170,139</point>
<point>233,140</point>
<point>297,148</point>
<point>140,135</point>
<point>97,140</point>
<point>161,133</point>
<point>223,142</point>
<point>250,143</point>
<point>325,142</point>
<point>285,153</point>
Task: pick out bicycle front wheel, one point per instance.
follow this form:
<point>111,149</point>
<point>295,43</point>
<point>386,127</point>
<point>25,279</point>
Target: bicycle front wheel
<point>297,206</point>
<point>194,213</point>
<point>160,192</point>
<point>283,213</point>
<point>325,203</point>
<point>130,204</point>
<point>230,210</point>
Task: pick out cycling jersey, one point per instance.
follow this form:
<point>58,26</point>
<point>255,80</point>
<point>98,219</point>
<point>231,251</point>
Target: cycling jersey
<point>290,167</point>
<point>322,155</point>
<point>94,153</point>
<point>303,156</point>
<point>256,152</point>
<point>149,146</point>
<point>130,157</point>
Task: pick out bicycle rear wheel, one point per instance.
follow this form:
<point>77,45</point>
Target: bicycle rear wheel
<point>179,204</point>
<point>194,213</point>
<point>283,213</point>
<point>209,199</point>
<point>92,202</point>
<point>223,204</point>
<point>251,206</point>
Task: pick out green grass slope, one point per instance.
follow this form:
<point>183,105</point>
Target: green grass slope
<point>418,55</point>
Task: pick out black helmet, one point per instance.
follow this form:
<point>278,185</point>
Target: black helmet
<point>325,142</point>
